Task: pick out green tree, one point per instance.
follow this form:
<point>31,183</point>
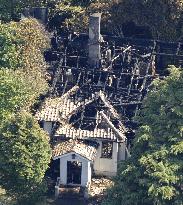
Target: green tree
<point>22,47</point>
<point>163,18</point>
<point>15,93</point>
<point>68,15</point>
<point>74,15</point>
<point>24,157</point>
<point>35,41</point>
<point>24,146</point>
<point>153,174</point>
<point>9,50</point>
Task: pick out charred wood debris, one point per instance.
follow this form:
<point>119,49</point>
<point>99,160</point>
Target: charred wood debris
<point>124,73</point>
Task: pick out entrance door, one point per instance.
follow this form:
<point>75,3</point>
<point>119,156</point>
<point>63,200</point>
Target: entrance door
<point>74,172</point>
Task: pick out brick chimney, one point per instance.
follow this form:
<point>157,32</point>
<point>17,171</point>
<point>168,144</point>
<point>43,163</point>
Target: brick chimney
<point>94,40</point>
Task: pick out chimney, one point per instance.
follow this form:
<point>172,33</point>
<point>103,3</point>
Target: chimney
<point>94,40</point>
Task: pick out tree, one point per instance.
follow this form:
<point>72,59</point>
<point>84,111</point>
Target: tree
<point>9,50</point>
<point>22,47</point>
<point>163,17</point>
<point>10,10</point>
<point>35,41</point>
<point>68,15</point>
<point>24,146</point>
<point>15,93</point>
<point>153,174</point>
<point>24,157</point>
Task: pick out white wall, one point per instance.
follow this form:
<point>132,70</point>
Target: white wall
<point>121,151</point>
<point>105,166</point>
<point>47,126</point>
<point>85,172</point>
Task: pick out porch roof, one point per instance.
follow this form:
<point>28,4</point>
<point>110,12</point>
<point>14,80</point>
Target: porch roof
<point>85,150</point>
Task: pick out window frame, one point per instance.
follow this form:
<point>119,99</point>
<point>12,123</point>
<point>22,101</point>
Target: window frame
<point>109,151</point>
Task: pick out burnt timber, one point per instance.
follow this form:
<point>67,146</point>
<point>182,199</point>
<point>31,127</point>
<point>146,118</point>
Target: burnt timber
<point>124,70</point>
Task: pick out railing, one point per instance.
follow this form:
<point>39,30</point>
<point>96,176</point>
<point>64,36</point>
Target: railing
<point>57,187</point>
<point>87,190</point>
<point>58,181</point>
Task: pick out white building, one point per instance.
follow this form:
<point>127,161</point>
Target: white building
<point>89,139</point>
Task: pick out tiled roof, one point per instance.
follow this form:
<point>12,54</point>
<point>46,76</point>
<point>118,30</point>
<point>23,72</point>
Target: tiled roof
<point>49,112</point>
<point>112,110</point>
<point>70,132</point>
<point>60,108</point>
<point>53,107</point>
<point>84,149</point>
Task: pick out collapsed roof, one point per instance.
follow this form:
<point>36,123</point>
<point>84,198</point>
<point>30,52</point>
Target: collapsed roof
<point>107,74</point>
<point>61,109</point>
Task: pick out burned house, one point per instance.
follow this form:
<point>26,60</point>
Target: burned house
<point>98,84</point>
<point>89,138</point>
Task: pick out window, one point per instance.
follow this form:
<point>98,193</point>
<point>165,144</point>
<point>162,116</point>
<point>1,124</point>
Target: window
<point>107,148</point>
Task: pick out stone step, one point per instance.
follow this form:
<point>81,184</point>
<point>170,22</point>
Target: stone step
<point>71,192</point>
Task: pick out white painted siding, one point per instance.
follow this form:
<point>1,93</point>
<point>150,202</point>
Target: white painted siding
<point>47,126</point>
<point>85,172</point>
<point>105,166</point>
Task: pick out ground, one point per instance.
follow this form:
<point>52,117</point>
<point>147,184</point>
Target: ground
<point>4,200</point>
<point>96,194</point>
<point>99,186</point>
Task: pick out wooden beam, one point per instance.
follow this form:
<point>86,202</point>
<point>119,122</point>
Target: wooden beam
<point>121,135</point>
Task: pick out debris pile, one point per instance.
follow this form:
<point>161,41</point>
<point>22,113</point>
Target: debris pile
<point>99,186</point>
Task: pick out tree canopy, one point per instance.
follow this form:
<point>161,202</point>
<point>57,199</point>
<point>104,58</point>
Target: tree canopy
<point>22,46</point>
<point>67,15</point>
<point>15,93</point>
<point>24,146</point>
<point>11,9</point>
<point>70,13</point>
<point>164,18</point>
<point>153,174</point>
<point>24,157</point>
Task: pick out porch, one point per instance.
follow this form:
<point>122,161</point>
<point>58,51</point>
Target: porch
<point>94,193</point>
<point>75,166</point>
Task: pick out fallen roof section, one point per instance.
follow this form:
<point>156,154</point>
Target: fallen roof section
<point>61,109</point>
<point>71,132</point>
